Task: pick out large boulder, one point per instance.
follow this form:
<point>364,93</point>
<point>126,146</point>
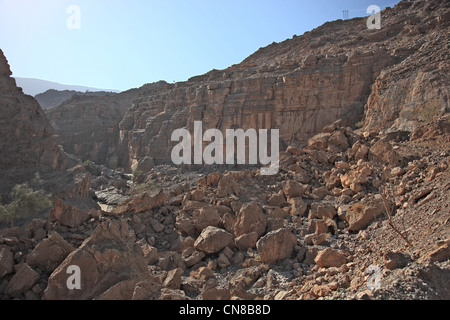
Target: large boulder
<point>109,256</point>
<point>206,217</point>
<point>213,240</point>
<point>141,203</point>
<point>330,258</point>
<point>362,214</point>
<point>251,218</point>
<point>383,151</point>
<point>49,253</point>
<point>22,281</point>
<point>67,214</point>
<point>276,245</point>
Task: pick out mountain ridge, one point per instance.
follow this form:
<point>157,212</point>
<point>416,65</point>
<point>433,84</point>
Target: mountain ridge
<point>33,86</point>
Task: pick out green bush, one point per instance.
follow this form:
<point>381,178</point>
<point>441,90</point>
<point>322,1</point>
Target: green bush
<point>136,174</point>
<point>148,186</point>
<point>25,203</point>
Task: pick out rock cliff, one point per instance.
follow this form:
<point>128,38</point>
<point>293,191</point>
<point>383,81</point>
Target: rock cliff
<point>395,78</point>
<point>29,153</point>
<point>88,125</point>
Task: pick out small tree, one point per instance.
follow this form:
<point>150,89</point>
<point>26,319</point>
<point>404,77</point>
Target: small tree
<point>25,203</point>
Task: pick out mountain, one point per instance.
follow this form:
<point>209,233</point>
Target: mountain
<point>28,151</point>
<point>33,87</point>
<point>53,98</point>
<point>358,209</point>
<point>395,78</point>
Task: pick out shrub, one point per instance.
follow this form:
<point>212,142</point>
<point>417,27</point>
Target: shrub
<point>25,203</point>
<point>136,174</point>
<point>145,187</point>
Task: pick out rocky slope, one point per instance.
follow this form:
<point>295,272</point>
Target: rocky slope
<point>29,153</point>
<point>26,135</point>
<point>352,214</point>
<point>336,213</point>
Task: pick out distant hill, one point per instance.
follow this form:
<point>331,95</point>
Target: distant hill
<point>33,87</point>
<point>52,98</point>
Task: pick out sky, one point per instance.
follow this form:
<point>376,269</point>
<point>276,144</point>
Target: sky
<point>123,44</point>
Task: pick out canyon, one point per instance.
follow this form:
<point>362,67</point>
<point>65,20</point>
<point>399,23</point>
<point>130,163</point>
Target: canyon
<point>358,209</point>
<point>382,79</point>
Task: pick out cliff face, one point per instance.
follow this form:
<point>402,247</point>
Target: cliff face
<point>395,78</point>
<point>26,134</point>
<point>415,90</point>
<point>299,102</point>
<point>28,151</point>
<point>88,125</point>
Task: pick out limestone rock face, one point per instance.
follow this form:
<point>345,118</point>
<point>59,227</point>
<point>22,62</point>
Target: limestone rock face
<point>28,151</point>
<point>415,90</point>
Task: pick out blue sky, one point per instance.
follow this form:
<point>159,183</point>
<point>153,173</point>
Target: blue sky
<point>125,44</point>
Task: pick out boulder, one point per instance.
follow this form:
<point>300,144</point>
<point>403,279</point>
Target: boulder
<point>251,218</point>
<point>23,280</point>
<point>247,240</point>
<point>329,258</point>
<point>49,253</point>
<point>293,189</point>
<point>213,240</point>
<point>383,151</point>
<point>109,256</point>
<point>141,203</point>
<point>227,186</point>
<point>298,206</point>
<point>359,216</point>
<point>67,214</point>
<point>337,142</point>
<point>205,217</point>
<point>322,211</point>
<point>173,279</point>
<point>395,260</point>
<point>6,262</point>
<point>276,245</point>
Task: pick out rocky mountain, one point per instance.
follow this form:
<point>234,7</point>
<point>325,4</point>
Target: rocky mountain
<point>88,125</point>
<point>353,213</point>
<point>363,220</point>
<point>34,87</point>
<point>27,136</point>
<point>28,152</point>
<point>52,98</point>
<point>394,78</point>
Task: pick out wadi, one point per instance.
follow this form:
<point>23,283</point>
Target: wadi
<point>318,168</point>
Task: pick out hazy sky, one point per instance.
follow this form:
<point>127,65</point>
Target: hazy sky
<point>122,44</point>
